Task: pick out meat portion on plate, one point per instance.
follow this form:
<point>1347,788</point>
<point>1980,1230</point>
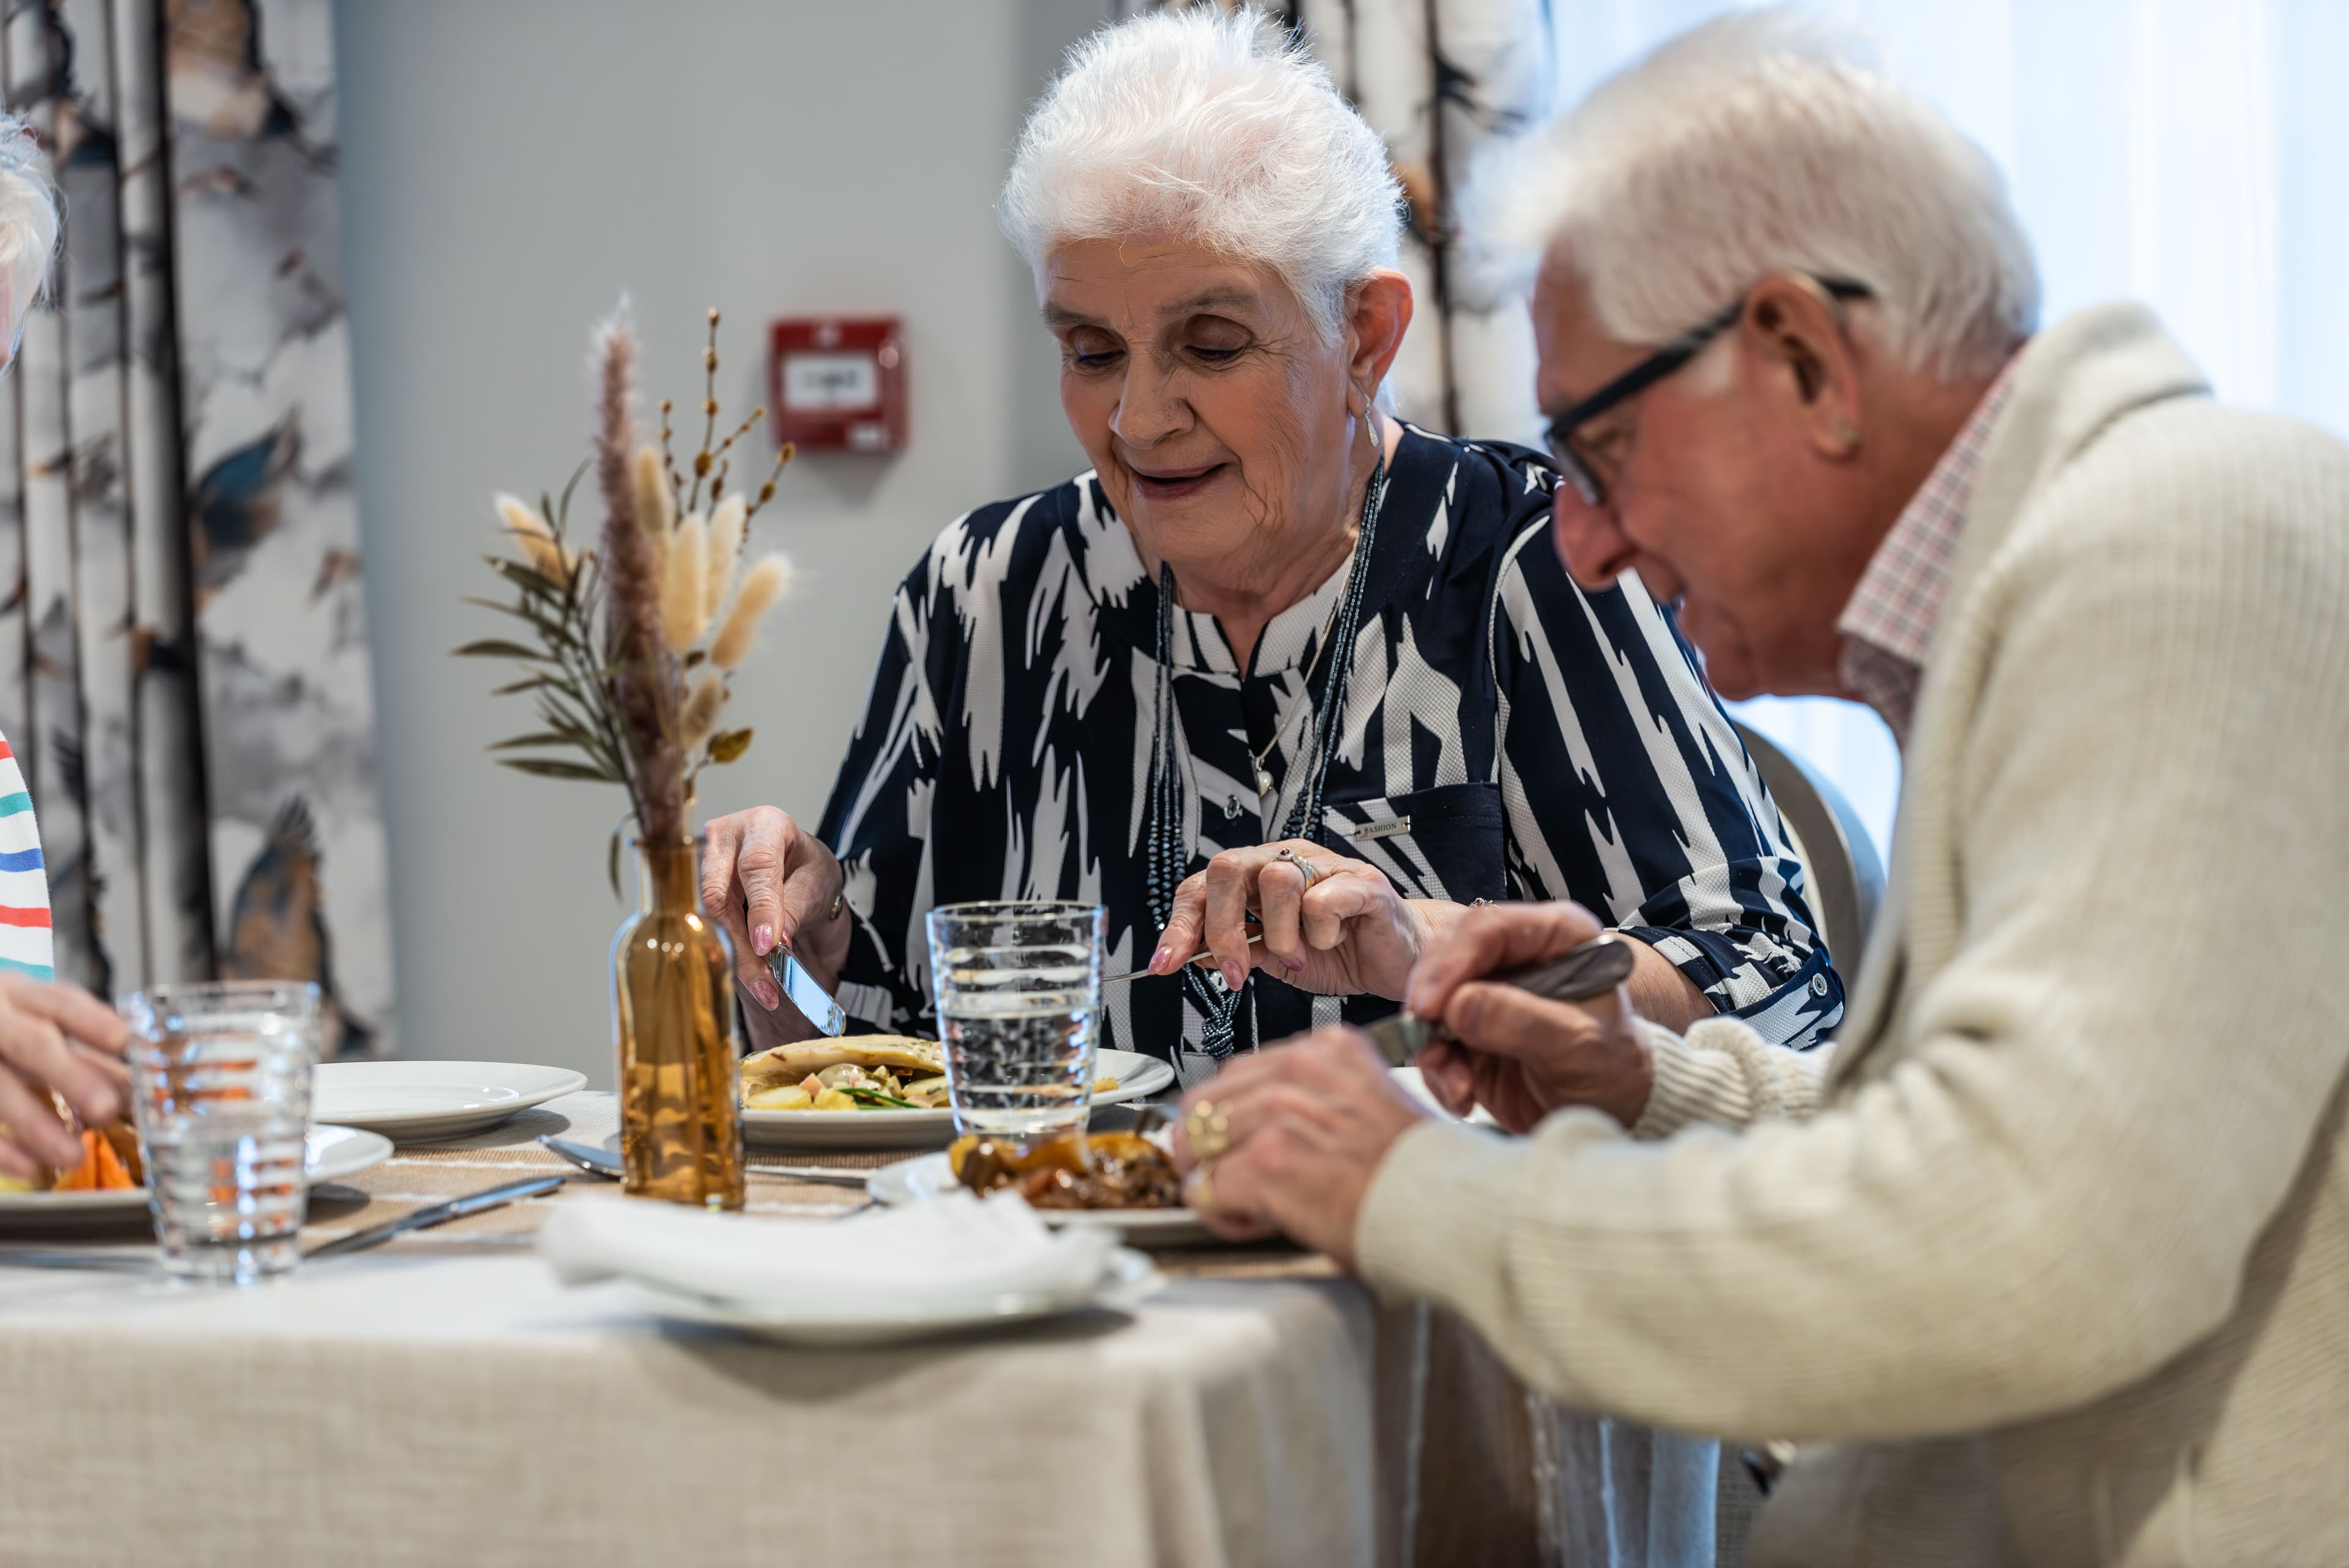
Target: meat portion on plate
<point>1075,1170</point>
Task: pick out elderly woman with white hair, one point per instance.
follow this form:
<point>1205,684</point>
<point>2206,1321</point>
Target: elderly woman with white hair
<point>1277,657</point>
<point>56,1041</point>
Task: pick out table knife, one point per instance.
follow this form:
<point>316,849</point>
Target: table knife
<point>436,1214</point>
<point>606,1162</point>
<point>814,1003</point>
<point>1580,973</point>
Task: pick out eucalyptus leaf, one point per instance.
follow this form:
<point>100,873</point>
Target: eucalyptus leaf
<point>529,579</point>
<point>550,768</point>
<point>561,513</point>
<point>545,738</point>
<point>498,647</point>
<point>533,683</point>
<point>612,853</point>
<point>727,744</point>
<point>548,625</point>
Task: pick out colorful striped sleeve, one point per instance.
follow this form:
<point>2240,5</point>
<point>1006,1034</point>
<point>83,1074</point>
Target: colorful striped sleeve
<point>25,942</point>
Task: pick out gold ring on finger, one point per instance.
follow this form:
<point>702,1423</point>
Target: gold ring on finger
<point>1312,872</point>
<point>1209,1128</point>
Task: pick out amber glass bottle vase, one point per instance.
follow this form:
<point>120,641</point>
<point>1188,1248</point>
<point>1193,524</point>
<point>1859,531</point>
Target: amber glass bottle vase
<point>673,1012</point>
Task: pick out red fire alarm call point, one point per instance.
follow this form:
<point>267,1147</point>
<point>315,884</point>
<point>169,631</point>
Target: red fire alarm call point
<point>837,383</point>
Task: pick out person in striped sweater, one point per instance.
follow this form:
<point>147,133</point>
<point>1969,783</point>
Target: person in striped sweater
<point>57,1042</point>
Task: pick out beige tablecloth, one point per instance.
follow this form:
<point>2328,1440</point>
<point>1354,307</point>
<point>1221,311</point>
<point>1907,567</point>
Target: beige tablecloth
<point>442,1400</point>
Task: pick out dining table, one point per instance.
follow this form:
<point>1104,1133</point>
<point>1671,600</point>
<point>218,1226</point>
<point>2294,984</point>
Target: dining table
<point>441,1398</point>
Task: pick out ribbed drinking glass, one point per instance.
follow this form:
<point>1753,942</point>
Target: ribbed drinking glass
<point>1017,986</point>
<point>220,1090</point>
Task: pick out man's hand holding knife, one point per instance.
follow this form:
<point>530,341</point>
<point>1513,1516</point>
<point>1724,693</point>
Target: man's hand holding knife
<point>1291,1137</point>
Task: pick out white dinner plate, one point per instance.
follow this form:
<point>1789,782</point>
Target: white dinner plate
<point>1136,1077</point>
<point>1415,1085</point>
<point>928,1176</point>
<point>331,1154</point>
<point>1126,1280</point>
<point>418,1101</point>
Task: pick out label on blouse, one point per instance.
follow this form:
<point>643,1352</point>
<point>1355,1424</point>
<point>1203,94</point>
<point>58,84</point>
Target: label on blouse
<point>1382,829</point>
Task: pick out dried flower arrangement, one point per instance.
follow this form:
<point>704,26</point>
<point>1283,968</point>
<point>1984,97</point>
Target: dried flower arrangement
<point>632,645</point>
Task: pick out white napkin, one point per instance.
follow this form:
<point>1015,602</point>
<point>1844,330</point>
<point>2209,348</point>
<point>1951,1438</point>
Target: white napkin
<point>888,1261</point>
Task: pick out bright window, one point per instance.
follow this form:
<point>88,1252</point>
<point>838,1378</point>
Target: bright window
<point>2191,153</point>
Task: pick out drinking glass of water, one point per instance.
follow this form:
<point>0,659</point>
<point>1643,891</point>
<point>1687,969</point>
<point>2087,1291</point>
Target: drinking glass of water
<point>1019,992</point>
<point>220,1089</point>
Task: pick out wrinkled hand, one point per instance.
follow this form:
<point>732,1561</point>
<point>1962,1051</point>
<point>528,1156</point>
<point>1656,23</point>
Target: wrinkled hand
<point>56,1037</point>
<point>771,884</point>
<point>1520,1056</point>
<point>1349,934</point>
<point>1308,1123</point>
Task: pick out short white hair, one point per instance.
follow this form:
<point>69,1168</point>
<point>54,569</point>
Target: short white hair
<point>1758,143</point>
<point>1214,129</point>
<point>28,226</point>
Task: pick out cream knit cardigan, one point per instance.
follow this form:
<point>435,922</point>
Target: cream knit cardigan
<point>2053,1266</point>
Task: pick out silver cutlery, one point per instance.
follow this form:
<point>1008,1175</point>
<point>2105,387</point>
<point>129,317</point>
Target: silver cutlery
<point>1253,938</point>
<point>436,1214</point>
<point>137,1262</point>
<point>814,1003</point>
<point>1593,969</point>
<point>604,1162</point>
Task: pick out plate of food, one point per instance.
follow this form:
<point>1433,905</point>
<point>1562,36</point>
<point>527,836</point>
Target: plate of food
<point>885,1091</point>
<point>1122,1181</point>
<point>110,1184</point>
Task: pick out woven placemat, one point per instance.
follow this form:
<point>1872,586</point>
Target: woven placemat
<point>416,1175</point>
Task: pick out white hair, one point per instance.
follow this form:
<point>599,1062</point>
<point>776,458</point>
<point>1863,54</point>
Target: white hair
<point>1214,129</point>
<point>1762,142</point>
<point>28,226</point>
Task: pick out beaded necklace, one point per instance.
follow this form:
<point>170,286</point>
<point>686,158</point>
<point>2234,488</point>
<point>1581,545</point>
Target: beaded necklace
<point>1169,853</point>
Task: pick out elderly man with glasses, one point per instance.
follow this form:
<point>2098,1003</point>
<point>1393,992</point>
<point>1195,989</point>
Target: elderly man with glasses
<point>2049,1263</point>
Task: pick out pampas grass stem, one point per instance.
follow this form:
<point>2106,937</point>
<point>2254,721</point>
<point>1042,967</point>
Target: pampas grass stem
<point>761,586</point>
<point>683,585</point>
<point>537,540</point>
<point>703,707</point>
<point>724,556</point>
<point>632,593</point>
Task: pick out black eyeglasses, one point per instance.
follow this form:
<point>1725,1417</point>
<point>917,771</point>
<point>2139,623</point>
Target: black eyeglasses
<point>1578,468</point>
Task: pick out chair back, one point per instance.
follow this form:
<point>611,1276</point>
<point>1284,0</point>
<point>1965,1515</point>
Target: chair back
<point>1843,878</point>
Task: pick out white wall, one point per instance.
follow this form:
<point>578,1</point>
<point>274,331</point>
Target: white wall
<point>509,169</point>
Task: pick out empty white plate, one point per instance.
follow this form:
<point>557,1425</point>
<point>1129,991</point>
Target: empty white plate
<point>417,1101</point>
<point>330,1154</point>
<point>1128,1278</point>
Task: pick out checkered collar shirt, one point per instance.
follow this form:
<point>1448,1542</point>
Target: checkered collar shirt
<point>1887,626</point>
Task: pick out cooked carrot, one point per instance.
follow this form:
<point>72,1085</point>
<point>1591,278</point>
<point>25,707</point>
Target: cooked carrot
<point>83,1177</point>
<point>113,1175</point>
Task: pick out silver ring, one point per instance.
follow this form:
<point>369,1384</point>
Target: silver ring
<point>1312,872</point>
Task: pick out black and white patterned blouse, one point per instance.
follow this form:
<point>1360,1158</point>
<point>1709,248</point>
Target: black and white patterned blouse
<point>1505,735</point>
